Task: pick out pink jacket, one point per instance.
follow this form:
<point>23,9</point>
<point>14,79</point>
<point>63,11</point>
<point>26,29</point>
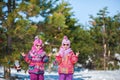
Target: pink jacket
<point>66,63</point>
<point>36,61</point>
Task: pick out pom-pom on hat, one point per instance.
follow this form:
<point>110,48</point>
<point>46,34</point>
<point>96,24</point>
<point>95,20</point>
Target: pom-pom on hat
<point>65,41</point>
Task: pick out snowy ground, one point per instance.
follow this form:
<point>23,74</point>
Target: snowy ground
<point>78,75</point>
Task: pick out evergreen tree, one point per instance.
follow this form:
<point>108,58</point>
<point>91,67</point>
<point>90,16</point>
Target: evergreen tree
<point>105,34</point>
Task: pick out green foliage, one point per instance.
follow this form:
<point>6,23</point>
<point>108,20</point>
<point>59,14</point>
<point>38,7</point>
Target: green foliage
<point>57,20</point>
<point>17,31</point>
<point>105,30</point>
<point>82,41</point>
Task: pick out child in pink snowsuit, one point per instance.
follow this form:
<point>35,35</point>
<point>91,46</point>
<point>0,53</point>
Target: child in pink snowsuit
<point>36,58</point>
<point>66,60</point>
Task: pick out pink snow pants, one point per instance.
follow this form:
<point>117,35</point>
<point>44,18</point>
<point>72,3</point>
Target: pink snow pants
<point>65,76</point>
<point>36,76</point>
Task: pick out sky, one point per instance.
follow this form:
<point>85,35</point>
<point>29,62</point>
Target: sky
<point>83,8</point>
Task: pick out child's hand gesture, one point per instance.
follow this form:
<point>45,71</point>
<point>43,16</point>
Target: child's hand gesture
<point>56,54</point>
<point>50,54</point>
<point>22,53</point>
<point>77,53</point>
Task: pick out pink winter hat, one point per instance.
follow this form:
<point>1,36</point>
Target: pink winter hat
<point>37,41</point>
<point>65,40</point>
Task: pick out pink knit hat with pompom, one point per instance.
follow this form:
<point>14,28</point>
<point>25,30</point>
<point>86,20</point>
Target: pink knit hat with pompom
<point>37,41</point>
<point>65,41</point>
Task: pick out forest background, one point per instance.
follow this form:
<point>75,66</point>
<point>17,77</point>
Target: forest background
<point>97,45</point>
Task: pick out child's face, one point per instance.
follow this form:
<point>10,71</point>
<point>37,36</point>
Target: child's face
<point>38,46</point>
<point>65,46</point>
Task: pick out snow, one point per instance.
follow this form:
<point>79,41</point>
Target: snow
<point>117,56</point>
<point>83,74</point>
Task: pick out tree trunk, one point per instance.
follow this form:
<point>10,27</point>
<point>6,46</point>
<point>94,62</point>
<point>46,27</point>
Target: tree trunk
<point>7,73</point>
<point>104,46</point>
